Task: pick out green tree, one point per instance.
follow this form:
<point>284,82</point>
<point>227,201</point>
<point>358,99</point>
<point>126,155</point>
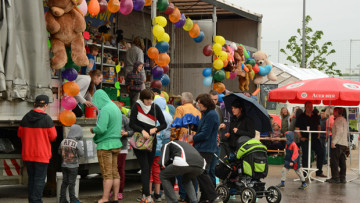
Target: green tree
<point>315,54</point>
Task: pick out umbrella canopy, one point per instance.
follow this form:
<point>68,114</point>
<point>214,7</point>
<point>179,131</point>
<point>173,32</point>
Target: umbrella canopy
<point>252,109</point>
<point>334,91</point>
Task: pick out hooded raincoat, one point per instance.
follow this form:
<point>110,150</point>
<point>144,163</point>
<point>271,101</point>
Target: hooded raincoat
<point>108,127</point>
<point>71,149</point>
<point>292,152</point>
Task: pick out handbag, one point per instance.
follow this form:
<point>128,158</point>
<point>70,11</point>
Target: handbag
<point>138,141</point>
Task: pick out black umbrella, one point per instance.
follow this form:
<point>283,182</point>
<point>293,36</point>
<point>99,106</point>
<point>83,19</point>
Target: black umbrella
<point>252,109</point>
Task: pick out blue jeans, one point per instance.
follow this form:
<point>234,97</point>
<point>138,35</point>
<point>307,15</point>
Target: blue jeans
<point>69,181</point>
<point>212,167</point>
<point>37,174</point>
<point>182,191</point>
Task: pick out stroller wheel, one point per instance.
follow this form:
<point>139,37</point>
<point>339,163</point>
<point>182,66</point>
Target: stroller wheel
<point>273,195</point>
<point>223,192</point>
<point>248,195</point>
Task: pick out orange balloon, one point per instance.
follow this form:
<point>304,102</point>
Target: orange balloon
<point>225,63</point>
<point>148,2</point>
<point>114,6</point>
<point>195,31</point>
<point>229,57</point>
<point>163,59</point>
<point>94,7</point>
<point>67,117</point>
<point>219,87</point>
<point>153,52</point>
<point>174,17</point>
<point>71,88</point>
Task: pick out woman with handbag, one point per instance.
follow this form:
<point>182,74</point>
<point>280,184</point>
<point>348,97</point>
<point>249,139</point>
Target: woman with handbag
<point>144,115</point>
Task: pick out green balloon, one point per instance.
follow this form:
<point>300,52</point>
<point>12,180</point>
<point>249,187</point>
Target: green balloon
<point>162,5</point>
<point>49,44</point>
<point>117,85</point>
<point>70,63</point>
<point>251,62</point>
<point>219,75</point>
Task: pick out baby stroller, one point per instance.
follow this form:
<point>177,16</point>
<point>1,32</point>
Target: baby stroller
<point>241,175</point>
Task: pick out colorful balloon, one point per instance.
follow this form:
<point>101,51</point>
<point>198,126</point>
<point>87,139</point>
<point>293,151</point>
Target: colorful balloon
<point>113,5</point>
<point>207,81</point>
<point>162,5</point>
<point>67,117</point>
<point>175,15</point>
<point>165,37</point>
<point>170,9</point>
<point>160,20</point>
<point>219,75</point>
<point>207,72</point>
<point>126,6</point>
<point>218,64</point>
<point>83,7</point>
<point>219,87</point>
<point>256,68</point>
<point>71,88</point>
<point>217,48</point>
<point>232,75</point>
<point>138,5</point>
<point>157,71</point>
<point>153,53</point>
<point>162,46</point>
<point>165,95</point>
<point>69,74</point>
<point>181,22</point>
<point>223,55</point>
<point>227,73</point>
<point>158,31</point>
<point>163,60</point>
<point>195,31</point>
<point>188,24</point>
<point>166,68</point>
<point>68,103</point>
<point>165,80</point>
<point>220,40</point>
<point>148,2</point>
<point>207,50</point>
<point>200,37</point>
<point>251,62</point>
<point>156,84</point>
<point>94,7</point>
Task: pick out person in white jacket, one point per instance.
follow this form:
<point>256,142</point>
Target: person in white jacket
<point>339,144</point>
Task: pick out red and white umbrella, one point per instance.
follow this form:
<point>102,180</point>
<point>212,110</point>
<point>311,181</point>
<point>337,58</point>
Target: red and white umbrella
<point>334,91</point>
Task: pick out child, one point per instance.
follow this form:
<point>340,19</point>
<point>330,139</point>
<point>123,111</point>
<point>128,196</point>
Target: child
<point>126,132</point>
<point>276,134</point>
<point>94,50</point>
<point>292,160</point>
<point>70,150</point>
<point>134,81</point>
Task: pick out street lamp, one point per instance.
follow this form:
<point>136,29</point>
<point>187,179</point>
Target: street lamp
<point>303,38</point>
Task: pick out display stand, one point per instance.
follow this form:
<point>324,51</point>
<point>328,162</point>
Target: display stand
<point>356,170</point>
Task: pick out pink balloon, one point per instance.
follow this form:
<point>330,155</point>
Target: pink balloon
<point>83,7</point>
<point>68,103</point>
<point>126,6</point>
<point>232,75</point>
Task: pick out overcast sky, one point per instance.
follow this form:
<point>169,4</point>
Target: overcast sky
<point>338,19</point>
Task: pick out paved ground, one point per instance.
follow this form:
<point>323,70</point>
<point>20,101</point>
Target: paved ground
<point>90,189</point>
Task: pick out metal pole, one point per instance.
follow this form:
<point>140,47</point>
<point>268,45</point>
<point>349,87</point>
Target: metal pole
<point>303,38</point>
<point>350,57</point>
<point>153,16</point>
<point>214,19</point>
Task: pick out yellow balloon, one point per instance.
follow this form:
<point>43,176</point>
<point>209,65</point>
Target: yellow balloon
<point>220,40</point>
<point>165,37</point>
<point>158,31</point>
<point>161,20</point>
<point>217,48</point>
<point>166,96</point>
<point>218,64</point>
<point>188,24</point>
<point>223,55</point>
<point>227,74</point>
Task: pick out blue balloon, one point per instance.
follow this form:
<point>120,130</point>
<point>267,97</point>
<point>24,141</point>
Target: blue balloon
<point>207,72</point>
<point>165,80</point>
<point>264,70</point>
<point>200,37</point>
<point>207,81</point>
<point>162,46</point>
<point>249,55</point>
<point>221,95</point>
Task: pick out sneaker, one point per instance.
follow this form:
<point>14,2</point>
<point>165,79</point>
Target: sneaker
<point>342,180</point>
<point>321,175</point>
<point>149,199</point>
<point>331,180</point>
<point>158,199</point>
<point>141,198</point>
<point>281,185</point>
<point>120,196</point>
<point>303,186</point>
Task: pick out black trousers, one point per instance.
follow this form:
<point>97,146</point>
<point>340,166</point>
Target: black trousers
<point>338,159</point>
<point>37,173</point>
<point>145,159</point>
<point>69,180</point>
<point>207,188</point>
<point>319,151</point>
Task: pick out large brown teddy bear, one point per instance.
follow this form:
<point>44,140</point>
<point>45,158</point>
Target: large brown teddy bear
<point>65,23</point>
<point>239,58</point>
<point>260,58</point>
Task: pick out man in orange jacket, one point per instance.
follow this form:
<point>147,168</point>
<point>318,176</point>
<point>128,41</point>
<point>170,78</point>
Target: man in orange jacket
<point>36,131</point>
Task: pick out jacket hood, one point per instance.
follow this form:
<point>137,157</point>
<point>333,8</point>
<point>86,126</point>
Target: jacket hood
<point>100,99</point>
<point>75,132</point>
<point>34,116</point>
<point>289,137</point>
<point>161,102</point>
<point>136,65</point>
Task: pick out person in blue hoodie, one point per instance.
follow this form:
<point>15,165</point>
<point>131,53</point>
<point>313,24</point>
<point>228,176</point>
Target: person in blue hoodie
<point>292,161</point>
<point>70,150</point>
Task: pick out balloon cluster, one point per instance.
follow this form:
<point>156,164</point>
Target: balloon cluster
<point>68,102</point>
<point>101,6</point>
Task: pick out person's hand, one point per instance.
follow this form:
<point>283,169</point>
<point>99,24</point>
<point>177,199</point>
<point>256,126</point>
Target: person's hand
<point>88,103</point>
<point>124,133</point>
<point>222,126</point>
<point>91,130</point>
<point>227,135</point>
<point>235,130</point>
<point>333,146</point>
<point>303,139</point>
<point>153,131</point>
<point>190,138</point>
<point>291,164</point>
<point>145,134</point>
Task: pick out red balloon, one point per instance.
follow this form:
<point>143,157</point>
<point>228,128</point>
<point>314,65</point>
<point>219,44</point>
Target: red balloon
<point>166,69</point>
<point>256,68</point>
<point>170,9</point>
<point>103,6</point>
<point>207,51</point>
<point>156,84</point>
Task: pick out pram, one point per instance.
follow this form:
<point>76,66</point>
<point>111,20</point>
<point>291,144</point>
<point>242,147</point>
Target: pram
<point>241,175</point>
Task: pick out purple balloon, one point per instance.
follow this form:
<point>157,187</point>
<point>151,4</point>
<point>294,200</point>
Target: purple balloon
<point>138,5</point>
<point>70,74</point>
<point>181,22</point>
<point>68,103</point>
<point>126,6</point>
<point>157,71</point>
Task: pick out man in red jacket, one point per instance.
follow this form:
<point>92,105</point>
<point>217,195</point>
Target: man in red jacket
<point>36,131</point>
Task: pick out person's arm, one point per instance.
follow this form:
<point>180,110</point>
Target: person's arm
<point>250,132</point>
<point>205,131</point>
<point>102,122</point>
<point>52,130</point>
<point>20,132</point>
<point>295,151</point>
<point>129,131</point>
<point>134,121</point>
<point>83,81</point>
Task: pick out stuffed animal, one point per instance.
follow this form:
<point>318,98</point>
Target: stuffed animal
<point>265,67</point>
<point>239,58</point>
<point>66,23</point>
<point>245,81</point>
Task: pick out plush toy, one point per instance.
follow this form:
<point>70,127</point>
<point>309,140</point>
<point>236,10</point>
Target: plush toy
<point>245,81</point>
<point>65,23</point>
<point>239,59</point>
<point>265,67</point>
